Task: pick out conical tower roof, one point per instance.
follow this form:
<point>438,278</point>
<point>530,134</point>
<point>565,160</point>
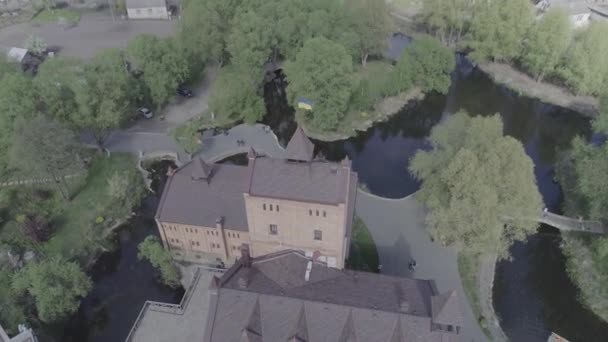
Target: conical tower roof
<point>201,169</point>
<point>446,310</point>
<point>300,147</point>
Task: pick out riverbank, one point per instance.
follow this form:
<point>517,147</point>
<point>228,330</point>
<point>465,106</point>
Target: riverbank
<point>355,122</point>
<point>523,84</point>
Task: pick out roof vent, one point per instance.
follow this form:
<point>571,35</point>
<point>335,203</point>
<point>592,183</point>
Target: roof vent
<point>404,306</point>
<point>308,269</point>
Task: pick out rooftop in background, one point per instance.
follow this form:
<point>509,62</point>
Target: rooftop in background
<point>286,296</point>
<point>146,3</point>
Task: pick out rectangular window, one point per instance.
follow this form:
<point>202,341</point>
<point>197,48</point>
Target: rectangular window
<point>324,213</point>
<point>310,212</point>
<point>238,236</point>
<point>317,213</point>
<point>264,206</point>
<point>271,207</point>
<point>274,230</point>
<point>318,235</point>
<point>198,243</point>
<point>277,208</point>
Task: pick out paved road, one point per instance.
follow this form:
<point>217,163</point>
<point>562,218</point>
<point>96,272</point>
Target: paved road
<point>95,31</point>
<point>397,227</point>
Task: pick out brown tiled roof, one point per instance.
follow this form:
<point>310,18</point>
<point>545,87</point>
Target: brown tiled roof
<point>317,181</point>
<point>300,147</point>
<point>333,305</point>
<point>200,202</point>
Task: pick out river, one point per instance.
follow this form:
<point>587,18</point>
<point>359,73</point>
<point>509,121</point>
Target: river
<point>533,295</point>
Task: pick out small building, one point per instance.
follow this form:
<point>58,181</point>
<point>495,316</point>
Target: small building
<point>578,10</point>
<point>147,9</point>
<point>25,335</point>
<point>208,211</point>
<point>286,296</point>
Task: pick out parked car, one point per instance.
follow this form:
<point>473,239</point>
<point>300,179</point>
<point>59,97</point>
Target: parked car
<point>145,113</point>
<point>185,92</point>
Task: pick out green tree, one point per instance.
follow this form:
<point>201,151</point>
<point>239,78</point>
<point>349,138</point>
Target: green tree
<point>236,96</point>
<point>446,19</point>
<point>323,73</point>
<point>600,123</point>
<point>12,311</point>
<point>547,42</point>
<point>17,101</point>
<point>162,66</point>
<point>427,64</point>
<point>57,285</point>
<point>249,44</point>
<point>498,29</point>
<point>45,148</point>
<point>204,28</point>
<point>478,184</point>
<point>581,70</point>
<point>152,250</point>
<point>372,24</point>
<point>126,188</point>
<point>105,94</point>
<point>53,84</point>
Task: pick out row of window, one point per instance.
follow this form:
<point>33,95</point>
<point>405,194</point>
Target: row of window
<point>209,232</point>
<point>274,230</point>
<point>195,243</point>
<point>317,212</point>
<point>234,235</point>
<point>270,207</point>
<point>276,207</point>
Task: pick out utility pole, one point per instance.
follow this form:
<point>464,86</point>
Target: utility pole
<point>111,5</point>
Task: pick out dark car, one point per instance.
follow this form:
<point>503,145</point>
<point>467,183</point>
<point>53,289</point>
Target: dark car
<point>185,92</point>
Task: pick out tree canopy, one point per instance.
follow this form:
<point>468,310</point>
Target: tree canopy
<point>57,285</point>
<point>581,69</point>
<point>151,250</point>
<point>322,73</point>
<point>498,28</point>
<point>478,184</point>
<point>372,25</point>
<point>446,20</point>
<point>427,64</point>
<point>105,94</point>
<point>547,41</point>
<point>54,87</point>
<point>162,65</point>
<point>236,98</point>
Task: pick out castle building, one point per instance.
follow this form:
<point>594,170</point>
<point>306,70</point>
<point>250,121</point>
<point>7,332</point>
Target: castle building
<point>208,211</point>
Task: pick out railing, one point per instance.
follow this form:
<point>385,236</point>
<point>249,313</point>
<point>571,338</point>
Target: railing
<point>173,309</point>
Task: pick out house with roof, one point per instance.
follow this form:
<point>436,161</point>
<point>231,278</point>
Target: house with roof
<point>147,9</point>
<point>286,296</point>
<point>208,211</point>
<point>579,11</point>
<point>25,335</point>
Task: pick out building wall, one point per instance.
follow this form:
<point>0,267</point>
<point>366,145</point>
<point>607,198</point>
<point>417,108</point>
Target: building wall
<point>148,13</point>
<point>202,244</point>
<point>296,223</point>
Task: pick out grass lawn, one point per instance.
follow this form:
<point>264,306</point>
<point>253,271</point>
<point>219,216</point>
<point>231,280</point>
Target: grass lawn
<point>81,223</point>
<point>52,16</point>
<point>468,267</point>
<point>363,254</point>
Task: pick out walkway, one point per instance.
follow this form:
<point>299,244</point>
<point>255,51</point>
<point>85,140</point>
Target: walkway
<point>258,136</point>
<point>565,223</point>
<point>398,229</point>
<point>161,322</point>
<point>35,180</point>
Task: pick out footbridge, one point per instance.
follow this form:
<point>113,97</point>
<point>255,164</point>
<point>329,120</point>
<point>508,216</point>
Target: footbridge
<point>565,223</point>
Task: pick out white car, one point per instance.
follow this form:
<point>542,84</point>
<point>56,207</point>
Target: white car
<point>145,112</point>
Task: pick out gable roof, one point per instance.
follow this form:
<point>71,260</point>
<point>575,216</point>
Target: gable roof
<point>300,147</point>
<point>146,3</point>
<point>446,310</point>
<point>333,305</point>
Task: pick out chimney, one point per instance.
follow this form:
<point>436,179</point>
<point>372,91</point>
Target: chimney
<point>219,222</point>
<point>404,306</point>
<point>334,168</point>
<point>245,257</point>
<point>308,269</point>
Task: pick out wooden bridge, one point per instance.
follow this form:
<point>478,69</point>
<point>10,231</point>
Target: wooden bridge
<point>565,223</point>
